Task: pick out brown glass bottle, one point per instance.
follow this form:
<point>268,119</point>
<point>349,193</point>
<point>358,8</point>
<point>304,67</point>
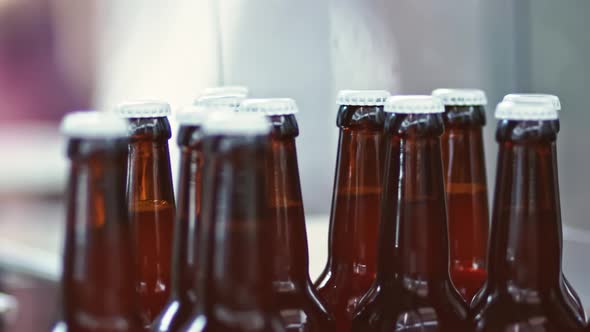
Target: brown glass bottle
<point>234,285</point>
<point>552,101</point>
<point>151,202</point>
<point>296,298</point>
<point>97,282</point>
<point>466,193</point>
<point>413,290</point>
<point>525,289</point>
<point>354,221</point>
<point>183,296</point>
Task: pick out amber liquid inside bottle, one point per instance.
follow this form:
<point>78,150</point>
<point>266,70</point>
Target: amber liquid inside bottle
<point>467,197</point>
<point>183,296</point>
<point>354,221</point>
<point>234,285</point>
<point>296,299</point>
<point>525,288</point>
<point>97,283</point>
<point>413,290</point>
<point>151,207</point>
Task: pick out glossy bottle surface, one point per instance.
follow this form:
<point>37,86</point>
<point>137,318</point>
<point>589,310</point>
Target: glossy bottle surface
<point>354,221</point>
<point>296,299</point>
<point>525,289</point>
<point>234,287</point>
<point>413,290</point>
<point>97,284</point>
<point>467,197</point>
<point>151,205</point>
<point>183,296</point>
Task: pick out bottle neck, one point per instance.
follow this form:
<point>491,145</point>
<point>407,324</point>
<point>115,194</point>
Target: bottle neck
<point>525,243</point>
<point>235,223</point>
<point>466,185</point>
<point>414,241</point>
<point>188,212</point>
<point>97,277</point>
<point>150,174</point>
<point>287,215</point>
<point>357,191</point>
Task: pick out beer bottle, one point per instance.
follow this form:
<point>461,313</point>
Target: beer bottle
<point>151,201</point>
<point>185,265</point>
<point>97,285</point>
<point>554,102</point>
<point>234,287</point>
<point>413,290</point>
<point>524,290</point>
<point>354,220</point>
<point>466,186</point>
<point>296,299</point>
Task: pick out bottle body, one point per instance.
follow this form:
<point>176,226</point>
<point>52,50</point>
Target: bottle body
<point>466,195</point>
<point>413,290</point>
<point>235,290</point>
<point>354,221</point>
<point>525,287</point>
<point>186,232</point>
<point>98,277</point>
<point>296,299</point>
<point>152,208</point>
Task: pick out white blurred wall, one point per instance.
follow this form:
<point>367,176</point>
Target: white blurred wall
<point>307,50</point>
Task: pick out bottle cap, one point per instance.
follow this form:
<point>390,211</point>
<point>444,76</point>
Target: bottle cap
<point>143,109</point>
<point>362,97</point>
<point>197,115</point>
<point>225,90</point>
<point>93,124</point>
<point>221,100</point>
<point>236,123</point>
<point>414,105</point>
<point>461,97</point>
<point>536,98</point>
<point>508,110</point>
<point>270,106</point>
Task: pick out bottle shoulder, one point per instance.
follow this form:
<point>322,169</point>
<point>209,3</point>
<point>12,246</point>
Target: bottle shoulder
<point>393,302</point>
<point>493,310</point>
<point>389,315</point>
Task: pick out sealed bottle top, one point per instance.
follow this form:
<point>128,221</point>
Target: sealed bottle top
<point>269,106</point>
<point>508,110</point>
<point>362,97</point>
<point>534,98</point>
<point>93,124</point>
<point>228,100</point>
<point>236,123</point>
<point>143,109</point>
<point>236,90</point>
<point>416,104</point>
<point>461,97</point>
<point>197,115</point>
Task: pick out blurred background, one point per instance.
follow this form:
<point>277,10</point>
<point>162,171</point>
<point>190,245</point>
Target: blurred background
<point>58,55</point>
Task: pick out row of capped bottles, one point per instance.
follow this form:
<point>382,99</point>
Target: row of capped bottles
<point>233,255</point>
